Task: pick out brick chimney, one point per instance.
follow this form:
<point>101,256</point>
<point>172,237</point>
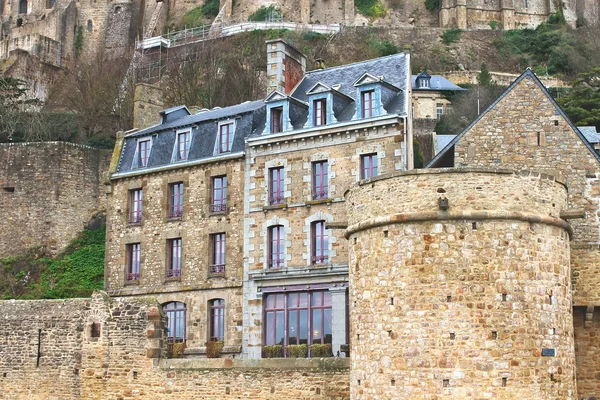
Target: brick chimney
<point>285,66</point>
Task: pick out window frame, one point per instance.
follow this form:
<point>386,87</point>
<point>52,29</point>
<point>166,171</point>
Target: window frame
<point>319,235</point>
<point>276,240</point>
<point>217,313</point>
<point>218,205</point>
<point>370,94</point>
<point>320,112</point>
<point>218,253</point>
<point>136,206</point>
<point>176,199</point>
<point>142,157</point>
<point>370,167</point>
<point>230,135</point>
<point>276,122</point>
<point>424,83</point>
<point>320,192</point>
<point>133,267</point>
<point>180,316</point>
<point>177,156</point>
<point>276,189</point>
<point>439,110</point>
<point>174,257</point>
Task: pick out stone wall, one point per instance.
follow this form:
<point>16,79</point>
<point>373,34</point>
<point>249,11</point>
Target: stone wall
<point>49,352</point>
<point>463,299</point>
<point>587,351</point>
<point>48,192</point>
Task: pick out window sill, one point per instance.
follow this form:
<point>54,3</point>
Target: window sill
<point>134,223</point>
<point>132,283</point>
<point>218,213</point>
<point>174,219</point>
<point>216,275</point>
<point>282,206</point>
<point>172,279</point>
<point>319,201</point>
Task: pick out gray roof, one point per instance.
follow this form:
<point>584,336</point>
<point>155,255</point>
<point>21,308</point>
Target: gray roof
<point>527,74</point>
<point>443,140</point>
<point>437,82</point>
<point>589,132</point>
<point>394,70</point>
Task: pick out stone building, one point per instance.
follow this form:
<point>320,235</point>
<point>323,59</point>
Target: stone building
<point>227,216</point>
<point>429,96</point>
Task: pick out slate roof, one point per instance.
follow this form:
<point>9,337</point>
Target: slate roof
<point>394,70</point>
<point>443,140</point>
<point>437,82</point>
<point>590,133</point>
<point>527,74</point>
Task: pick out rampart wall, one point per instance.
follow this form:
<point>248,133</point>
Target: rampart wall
<point>50,350</point>
<point>48,192</point>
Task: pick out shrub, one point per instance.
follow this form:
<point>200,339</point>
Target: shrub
<point>214,348</point>
<point>210,8</point>
<point>432,5</point>
<point>193,18</point>
<point>263,13</point>
<point>175,350</point>
<point>451,36</point>
<point>297,351</point>
<point>101,142</point>
<point>494,24</point>
<point>383,47</point>
<point>79,41</point>
<point>321,350</point>
<point>370,8</point>
<point>419,160</point>
<point>275,351</point>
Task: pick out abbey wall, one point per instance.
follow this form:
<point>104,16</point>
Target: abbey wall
<point>48,192</point>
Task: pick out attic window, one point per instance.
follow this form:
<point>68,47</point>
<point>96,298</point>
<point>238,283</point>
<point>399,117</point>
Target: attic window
<point>320,112</point>
<point>367,103</point>
<point>225,139</point>
<point>423,83</point>
<point>276,119</point>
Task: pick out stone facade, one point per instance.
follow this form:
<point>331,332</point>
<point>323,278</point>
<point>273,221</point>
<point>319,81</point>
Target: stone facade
<point>48,192</point>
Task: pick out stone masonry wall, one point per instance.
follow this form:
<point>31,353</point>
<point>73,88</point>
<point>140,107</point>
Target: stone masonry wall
<point>460,303</point>
<point>507,137</point>
<point>587,351</point>
<point>196,285</point>
<point>124,360</point>
<point>48,191</point>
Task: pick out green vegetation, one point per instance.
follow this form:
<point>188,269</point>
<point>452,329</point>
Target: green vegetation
<point>264,13</point>
<point>582,103</point>
<point>77,272</point>
<point>210,8</point>
<point>370,8</point>
<point>432,5</point>
<point>297,351</point>
<point>321,350</point>
<point>419,160</point>
<point>494,24</point>
<point>551,48</point>
<point>79,41</point>
<point>383,47</point>
<point>451,36</point>
<point>274,351</point>
<point>195,17</point>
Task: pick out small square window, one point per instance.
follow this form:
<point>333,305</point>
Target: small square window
<point>368,166</point>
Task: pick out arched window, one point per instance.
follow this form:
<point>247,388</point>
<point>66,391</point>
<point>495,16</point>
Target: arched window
<point>23,7</point>
<point>217,320</point>
<point>89,25</point>
<point>176,314</point>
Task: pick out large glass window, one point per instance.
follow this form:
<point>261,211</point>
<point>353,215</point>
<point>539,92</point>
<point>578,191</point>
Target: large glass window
<point>176,321</point>
<point>276,246</point>
<point>217,319</point>
<point>133,262</point>
<point>276,185</point>
<point>320,189</point>
<point>135,206</point>
<point>219,194</point>
<point>320,112</point>
<point>173,257</point>
<point>176,200</point>
<point>320,243</point>
<point>217,258</point>
<point>298,318</point>
<point>367,103</point>
<point>183,146</point>
<point>225,137</point>
<point>368,166</point>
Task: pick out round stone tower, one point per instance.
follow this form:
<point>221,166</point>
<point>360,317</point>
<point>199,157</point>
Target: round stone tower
<point>460,286</point>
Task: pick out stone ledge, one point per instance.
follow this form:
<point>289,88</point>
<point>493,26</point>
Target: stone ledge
<point>320,364</point>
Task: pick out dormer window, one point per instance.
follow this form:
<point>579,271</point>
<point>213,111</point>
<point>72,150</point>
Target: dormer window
<point>423,83</point>
<point>226,131</point>
<point>182,146</point>
<point>320,112</point>
<point>367,103</point>
<point>143,151</point>
<point>276,119</point>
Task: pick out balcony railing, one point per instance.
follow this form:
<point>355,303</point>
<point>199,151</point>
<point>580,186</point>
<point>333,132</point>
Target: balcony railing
<point>173,273</point>
<point>276,199</point>
<point>132,276</point>
<point>319,194</point>
<point>176,212</point>
<point>218,207</point>
<point>135,217</point>
<point>217,268</point>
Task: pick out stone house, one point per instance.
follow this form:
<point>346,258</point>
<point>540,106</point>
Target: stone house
<point>228,216</point>
<point>526,130</point>
<point>429,96</point>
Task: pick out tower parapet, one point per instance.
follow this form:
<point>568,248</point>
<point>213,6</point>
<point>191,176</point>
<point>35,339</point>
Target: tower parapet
<point>460,286</point>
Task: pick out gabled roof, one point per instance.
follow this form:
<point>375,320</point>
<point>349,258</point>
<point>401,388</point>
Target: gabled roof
<point>590,133</point>
<point>436,82</point>
<point>275,95</point>
<point>527,74</point>
<point>318,88</point>
<point>173,109</point>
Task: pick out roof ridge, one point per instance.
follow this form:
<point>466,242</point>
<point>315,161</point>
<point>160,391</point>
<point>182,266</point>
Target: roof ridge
<point>354,63</point>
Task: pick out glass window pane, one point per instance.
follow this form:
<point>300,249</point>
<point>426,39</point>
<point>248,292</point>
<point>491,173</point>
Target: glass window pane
<point>293,327</point>
<point>317,334</point>
<point>327,325</point>
<point>270,328</point>
<point>303,328</point>
<point>279,325</point>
